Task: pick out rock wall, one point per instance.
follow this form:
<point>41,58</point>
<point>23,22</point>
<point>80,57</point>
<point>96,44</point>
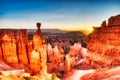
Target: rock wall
<point>9,52</point>
<point>103,44</point>
<point>19,52</point>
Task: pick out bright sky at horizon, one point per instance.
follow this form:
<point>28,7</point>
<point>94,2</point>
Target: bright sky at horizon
<point>60,14</point>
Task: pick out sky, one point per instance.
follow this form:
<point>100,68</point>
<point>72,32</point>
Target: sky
<point>58,14</point>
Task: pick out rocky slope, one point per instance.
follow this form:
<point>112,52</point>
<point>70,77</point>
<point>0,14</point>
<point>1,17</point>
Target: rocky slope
<point>103,53</point>
<point>103,44</point>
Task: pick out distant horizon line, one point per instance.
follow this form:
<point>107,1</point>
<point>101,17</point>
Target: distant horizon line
<point>48,28</point>
<point>85,31</point>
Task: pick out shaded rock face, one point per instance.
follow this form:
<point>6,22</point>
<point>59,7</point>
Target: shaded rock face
<point>114,20</point>
<point>17,51</point>
<point>103,44</point>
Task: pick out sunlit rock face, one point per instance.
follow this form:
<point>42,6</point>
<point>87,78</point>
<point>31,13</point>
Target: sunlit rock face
<point>19,56</point>
<point>21,47</point>
<point>38,56</point>
<point>103,74</point>
<point>103,54</point>
<point>55,60</point>
<point>20,53</point>
<point>103,44</point>
<point>8,47</point>
<point>63,65</point>
<point>76,58</point>
<point>60,63</point>
<point>13,48</point>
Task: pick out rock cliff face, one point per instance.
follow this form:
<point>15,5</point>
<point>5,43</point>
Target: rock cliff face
<point>9,50</point>
<point>20,53</point>
<point>103,44</point>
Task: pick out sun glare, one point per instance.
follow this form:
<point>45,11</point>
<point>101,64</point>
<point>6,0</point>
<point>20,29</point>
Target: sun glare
<point>90,30</point>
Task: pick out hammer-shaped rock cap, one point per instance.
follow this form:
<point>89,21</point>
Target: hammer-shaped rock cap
<point>38,25</point>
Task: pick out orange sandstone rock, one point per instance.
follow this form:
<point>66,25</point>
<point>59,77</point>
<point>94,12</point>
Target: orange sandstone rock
<point>104,42</point>
<point>1,55</point>
<point>22,50</point>
<point>29,49</point>
<point>22,53</point>
<point>9,50</point>
<point>38,43</point>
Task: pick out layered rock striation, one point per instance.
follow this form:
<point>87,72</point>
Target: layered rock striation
<point>103,44</point>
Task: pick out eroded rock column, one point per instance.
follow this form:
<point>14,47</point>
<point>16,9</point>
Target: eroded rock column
<point>9,50</point>
<point>22,50</point>
<point>38,56</point>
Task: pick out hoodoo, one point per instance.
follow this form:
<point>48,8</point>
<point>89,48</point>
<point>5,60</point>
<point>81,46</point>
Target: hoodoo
<point>38,56</point>
<point>20,53</point>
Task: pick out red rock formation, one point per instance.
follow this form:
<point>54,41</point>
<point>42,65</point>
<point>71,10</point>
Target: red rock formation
<point>55,55</point>
<point>35,62</point>
<point>1,55</point>
<point>75,56</point>
<point>29,49</point>
<point>104,44</point>
<point>75,50</point>
<point>38,56</point>
<point>56,60</point>
<point>50,53</point>
<point>103,74</point>
<point>9,50</point>
<point>114,21</point>
<point>22,53</point>
<point>18,52</point>
<point>21,47</point>
<point>103,24</point>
